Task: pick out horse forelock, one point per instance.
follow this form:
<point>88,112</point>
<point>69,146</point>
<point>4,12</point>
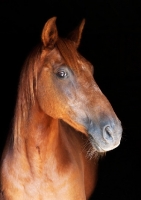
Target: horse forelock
<point>69,53</point>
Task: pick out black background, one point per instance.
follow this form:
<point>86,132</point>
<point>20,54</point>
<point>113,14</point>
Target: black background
<point>112,42</point>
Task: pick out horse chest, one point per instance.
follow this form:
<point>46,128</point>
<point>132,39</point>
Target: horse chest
<point>68,185</point>
<point>52,183</point>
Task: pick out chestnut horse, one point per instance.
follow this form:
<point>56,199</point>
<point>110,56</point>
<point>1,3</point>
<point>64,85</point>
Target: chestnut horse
<point>62,123</point>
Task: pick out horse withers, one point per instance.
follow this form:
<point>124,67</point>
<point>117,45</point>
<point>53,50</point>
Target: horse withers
<point>62,123</point>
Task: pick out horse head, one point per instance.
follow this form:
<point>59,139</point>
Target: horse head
<point>66,89</point>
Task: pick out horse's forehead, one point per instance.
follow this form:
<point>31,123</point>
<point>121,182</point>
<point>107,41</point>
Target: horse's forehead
<point>57,59</point>
<point>82,64</point>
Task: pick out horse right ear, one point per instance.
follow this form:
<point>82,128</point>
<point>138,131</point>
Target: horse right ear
<point>50,34</point>
<point>75,35</point>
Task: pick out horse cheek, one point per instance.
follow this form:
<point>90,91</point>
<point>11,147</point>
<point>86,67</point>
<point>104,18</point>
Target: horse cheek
<point>47,97</point>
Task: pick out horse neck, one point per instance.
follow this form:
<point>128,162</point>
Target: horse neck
<point>43,140</point>
<point>35,131</point>
<point>42,130</point>
<point>47,134</point>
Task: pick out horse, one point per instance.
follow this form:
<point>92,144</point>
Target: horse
<point>62,124</point>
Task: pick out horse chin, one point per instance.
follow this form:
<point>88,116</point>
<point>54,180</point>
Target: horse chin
<point>96,147</point>
<point>99,147</point>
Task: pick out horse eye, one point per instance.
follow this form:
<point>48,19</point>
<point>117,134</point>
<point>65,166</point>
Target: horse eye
<point>62,74</point>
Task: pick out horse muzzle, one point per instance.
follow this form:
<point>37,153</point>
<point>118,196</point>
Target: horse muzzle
<point>106,135</point>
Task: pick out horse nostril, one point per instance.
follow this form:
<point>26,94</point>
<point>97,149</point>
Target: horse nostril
<point>107,134</point>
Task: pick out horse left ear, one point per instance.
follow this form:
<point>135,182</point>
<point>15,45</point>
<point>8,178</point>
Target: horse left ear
<point>75,35</point>
<point>50,34</point>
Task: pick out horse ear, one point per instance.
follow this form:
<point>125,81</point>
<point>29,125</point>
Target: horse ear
<point>75,35</point>
<point>50,34</point>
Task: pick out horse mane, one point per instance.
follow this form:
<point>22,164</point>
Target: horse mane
<point>28,81</point>
<point>26,91</point>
